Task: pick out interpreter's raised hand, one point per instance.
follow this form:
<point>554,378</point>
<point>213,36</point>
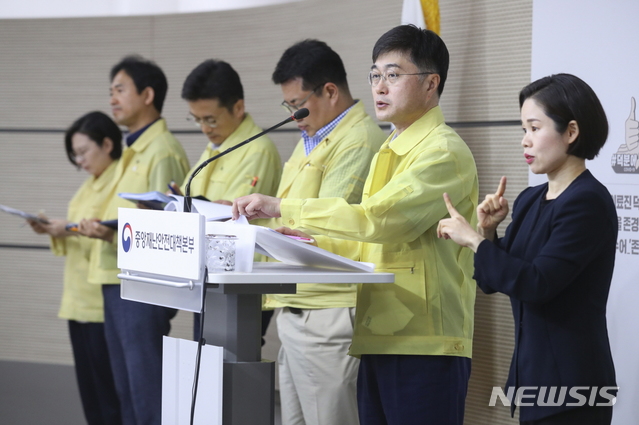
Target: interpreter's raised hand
<point>93,229</point>
<point>298,233</point>
<point>492,211</point>
<point>457,228</point>
<point>255,206</point>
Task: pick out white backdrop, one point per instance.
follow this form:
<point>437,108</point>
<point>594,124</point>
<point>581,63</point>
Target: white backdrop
<point>599,42</point>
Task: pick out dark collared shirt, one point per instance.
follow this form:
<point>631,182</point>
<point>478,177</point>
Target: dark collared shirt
<point>132,137</point>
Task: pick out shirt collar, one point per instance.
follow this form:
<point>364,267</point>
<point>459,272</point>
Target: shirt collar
<point>310,142</point>
<point>132,137</point>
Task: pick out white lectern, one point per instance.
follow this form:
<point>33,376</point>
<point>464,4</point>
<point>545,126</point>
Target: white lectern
<point>162,254</point>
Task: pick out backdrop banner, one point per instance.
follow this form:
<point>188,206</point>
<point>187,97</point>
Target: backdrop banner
<point>598,42</point>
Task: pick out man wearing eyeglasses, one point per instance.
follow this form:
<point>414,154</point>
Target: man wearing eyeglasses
<point>317,377</point>
<point>414,337</point>
<point>215,96</point>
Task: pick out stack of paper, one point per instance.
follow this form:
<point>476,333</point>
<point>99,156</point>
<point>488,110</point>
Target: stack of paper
<point>160,201</point>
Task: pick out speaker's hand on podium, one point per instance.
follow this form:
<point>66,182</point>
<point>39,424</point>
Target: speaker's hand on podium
<point>297,233</point>
<point>93,229</point>
<point>256,206</point>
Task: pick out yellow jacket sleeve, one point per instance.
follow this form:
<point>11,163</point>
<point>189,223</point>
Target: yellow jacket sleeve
<point>400,211</point>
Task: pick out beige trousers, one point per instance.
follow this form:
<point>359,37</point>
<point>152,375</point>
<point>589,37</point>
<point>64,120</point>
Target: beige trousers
<point>318,379</point>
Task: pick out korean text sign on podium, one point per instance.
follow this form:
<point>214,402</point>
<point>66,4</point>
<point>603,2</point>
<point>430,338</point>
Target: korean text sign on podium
<point>160,253</point>
<point>233,299</point>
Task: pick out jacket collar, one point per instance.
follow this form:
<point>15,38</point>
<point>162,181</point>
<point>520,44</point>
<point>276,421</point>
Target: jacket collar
<point>246,129</point>
<point>415,133</point>
<point>105,178</point>
<point>149,135</point>
<point>354,115</point>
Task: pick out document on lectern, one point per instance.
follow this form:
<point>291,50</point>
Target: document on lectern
<point>297,253</point>
<point>159,201</point>
<point>211,210</point>
<point>273,244</point>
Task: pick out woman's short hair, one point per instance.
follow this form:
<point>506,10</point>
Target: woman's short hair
<point>96,126</point>
<point>563,98</point>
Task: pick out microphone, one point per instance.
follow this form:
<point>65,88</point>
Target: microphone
<point>298,115</point>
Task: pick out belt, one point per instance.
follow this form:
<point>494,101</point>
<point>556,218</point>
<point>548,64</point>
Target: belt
<point>295,310</point>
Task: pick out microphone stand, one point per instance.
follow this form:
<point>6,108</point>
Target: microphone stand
<point>298,115</point>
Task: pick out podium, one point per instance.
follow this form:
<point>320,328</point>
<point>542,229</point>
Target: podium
<point>171,273</point>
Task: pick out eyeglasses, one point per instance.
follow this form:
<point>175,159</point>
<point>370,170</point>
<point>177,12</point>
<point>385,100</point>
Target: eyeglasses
<point>80,156</point>
<point>294,108</point>
<point>390,77</point>
<point>208,121</point>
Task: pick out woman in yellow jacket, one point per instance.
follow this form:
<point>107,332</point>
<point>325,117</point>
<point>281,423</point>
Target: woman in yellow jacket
<point>93,143</point>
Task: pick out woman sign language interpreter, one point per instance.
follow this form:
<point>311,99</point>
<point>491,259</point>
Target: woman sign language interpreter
<point>555,260</point>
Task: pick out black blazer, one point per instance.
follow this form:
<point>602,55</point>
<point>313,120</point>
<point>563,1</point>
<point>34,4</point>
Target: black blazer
<point>555,262</point>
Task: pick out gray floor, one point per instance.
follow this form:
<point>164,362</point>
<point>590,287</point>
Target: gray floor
<point>39,394</point>
<point>36,394</point>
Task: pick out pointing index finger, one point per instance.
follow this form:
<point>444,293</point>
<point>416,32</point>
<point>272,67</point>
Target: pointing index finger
<point>449,206</point>
<point>502,187</point>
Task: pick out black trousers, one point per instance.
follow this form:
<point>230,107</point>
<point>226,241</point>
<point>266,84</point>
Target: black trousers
<point>93,373</point>
<point>412,389</point>
<point>586,415</point>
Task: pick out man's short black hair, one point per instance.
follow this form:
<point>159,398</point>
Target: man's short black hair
<point>314,62</point>
<point>144,73</point>
<point>424,48</point>
<point>96,126</point>
<point>563,98</point>
<point>213,79</point>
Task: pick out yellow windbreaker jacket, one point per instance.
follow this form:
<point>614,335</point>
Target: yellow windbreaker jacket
<point>82,301</point>
<point>253,168</point>
<point>153,161</point>
<point>337,167</point>
<point>429,309</point>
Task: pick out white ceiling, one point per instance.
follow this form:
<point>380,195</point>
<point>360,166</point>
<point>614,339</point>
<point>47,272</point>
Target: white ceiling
<point>23,9</point>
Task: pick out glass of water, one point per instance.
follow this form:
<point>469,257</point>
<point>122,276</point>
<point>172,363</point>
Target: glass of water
<point>220,253</point>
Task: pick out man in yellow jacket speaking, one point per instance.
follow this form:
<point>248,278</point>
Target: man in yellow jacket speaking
<point>414,337</point>
<point>317,377</point>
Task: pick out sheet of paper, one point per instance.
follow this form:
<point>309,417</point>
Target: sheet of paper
<point>294,252</point>
<point>22,214</point>
<point>211,210</point>
<point>154,200</point>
